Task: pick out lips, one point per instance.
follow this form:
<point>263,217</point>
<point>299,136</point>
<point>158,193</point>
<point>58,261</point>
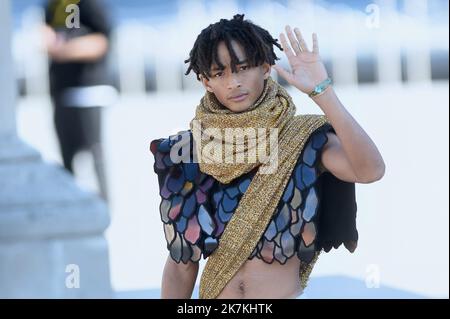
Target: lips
<point>239,97</point>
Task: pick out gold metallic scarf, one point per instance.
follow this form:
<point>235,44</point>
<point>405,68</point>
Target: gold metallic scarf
<point>273,109</point>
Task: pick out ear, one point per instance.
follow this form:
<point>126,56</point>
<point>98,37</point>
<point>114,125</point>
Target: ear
<point>205,83</point>
<point>267,69</point>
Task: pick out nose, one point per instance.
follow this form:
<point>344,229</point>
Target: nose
<point>233,81</point>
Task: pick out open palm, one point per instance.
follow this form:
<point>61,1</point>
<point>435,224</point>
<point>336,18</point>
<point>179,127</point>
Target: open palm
<point>307,68</point>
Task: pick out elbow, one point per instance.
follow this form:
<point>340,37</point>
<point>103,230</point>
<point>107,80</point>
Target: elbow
<point>381,170</point>
<point>375,174</point>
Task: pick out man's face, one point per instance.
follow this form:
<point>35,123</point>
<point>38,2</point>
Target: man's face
<point>236,91</point>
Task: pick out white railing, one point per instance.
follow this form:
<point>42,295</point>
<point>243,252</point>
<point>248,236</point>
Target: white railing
<point>380,31</point>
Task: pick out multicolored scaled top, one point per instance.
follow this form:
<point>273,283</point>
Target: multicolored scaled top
<point>316,212</point>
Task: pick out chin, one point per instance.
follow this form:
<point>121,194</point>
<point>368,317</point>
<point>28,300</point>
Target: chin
<point>238,108</point>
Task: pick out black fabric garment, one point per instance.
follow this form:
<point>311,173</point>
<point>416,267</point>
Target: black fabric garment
<point>79,129</point>
<point>337,217</point>
<point>337,212</point>
<point>93,19</point>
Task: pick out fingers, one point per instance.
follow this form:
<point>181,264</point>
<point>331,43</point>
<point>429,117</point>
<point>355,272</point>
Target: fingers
<point>300,39</point>
<point>294,43</point>
<point>297,42</point>
<point>315,43</point>
<point>286,47</point>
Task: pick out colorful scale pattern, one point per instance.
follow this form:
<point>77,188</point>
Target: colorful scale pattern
<point>195,208</point>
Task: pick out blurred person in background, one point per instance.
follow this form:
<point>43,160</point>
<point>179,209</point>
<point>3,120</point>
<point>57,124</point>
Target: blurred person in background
<point>77,41</point>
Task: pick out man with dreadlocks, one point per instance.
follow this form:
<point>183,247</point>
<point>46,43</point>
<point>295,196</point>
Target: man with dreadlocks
<point>262,230</point>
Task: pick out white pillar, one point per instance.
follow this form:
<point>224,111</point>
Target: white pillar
<point>344,56</point>
<point>388,50</point>
<point>51,232</point>
<point>418,56</point>
<point>7,79</point>
<point>131,59</point>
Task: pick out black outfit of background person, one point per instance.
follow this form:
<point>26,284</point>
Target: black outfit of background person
<point>77,116</point>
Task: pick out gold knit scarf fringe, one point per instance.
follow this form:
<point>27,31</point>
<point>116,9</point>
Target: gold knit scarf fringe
<point>244,230</point>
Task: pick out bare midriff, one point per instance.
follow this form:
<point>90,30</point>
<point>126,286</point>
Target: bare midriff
<point>258,279</point>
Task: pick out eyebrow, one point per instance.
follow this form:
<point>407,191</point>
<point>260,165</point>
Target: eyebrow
<point>216,68</point>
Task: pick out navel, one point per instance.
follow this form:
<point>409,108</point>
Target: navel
<point>242,287</point>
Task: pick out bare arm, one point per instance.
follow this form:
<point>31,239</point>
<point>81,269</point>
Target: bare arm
<point>351,155</point>
<point>86,48</point>
<point>178,279</point>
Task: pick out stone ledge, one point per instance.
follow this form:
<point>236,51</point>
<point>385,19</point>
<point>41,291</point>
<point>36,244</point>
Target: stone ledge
<point>48,223</point>
<point>41,200</point>
<point>44,268</point>
<point>13,150</point>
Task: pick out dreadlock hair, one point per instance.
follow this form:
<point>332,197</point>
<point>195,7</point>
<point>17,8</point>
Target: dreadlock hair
<point>256,41</point>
